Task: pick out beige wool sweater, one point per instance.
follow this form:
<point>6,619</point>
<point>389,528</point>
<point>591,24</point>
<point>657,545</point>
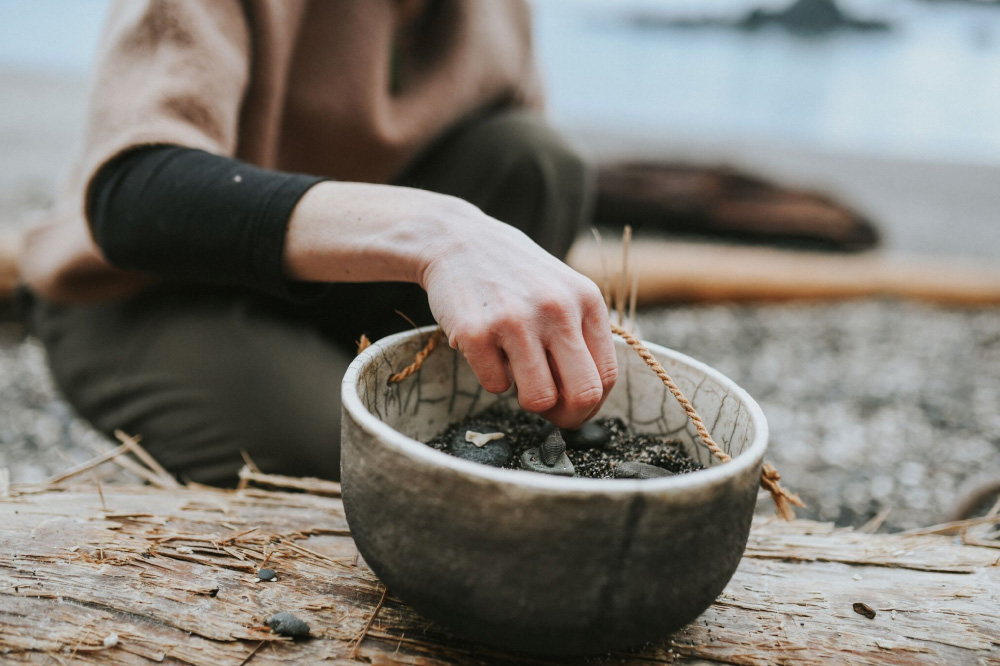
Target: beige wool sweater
<point>348,89</point>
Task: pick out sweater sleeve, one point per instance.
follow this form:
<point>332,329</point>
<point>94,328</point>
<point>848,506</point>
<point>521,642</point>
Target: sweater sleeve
<point>187,214</point>
<point>168,72</point>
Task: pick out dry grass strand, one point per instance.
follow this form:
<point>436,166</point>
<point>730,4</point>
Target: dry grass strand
<point>368,625</point>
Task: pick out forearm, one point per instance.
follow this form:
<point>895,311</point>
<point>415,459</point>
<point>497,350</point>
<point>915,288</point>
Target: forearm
<point>186,214</point>
<point>359,232</point>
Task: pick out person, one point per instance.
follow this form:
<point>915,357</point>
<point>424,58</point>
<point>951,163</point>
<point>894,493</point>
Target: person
<point>263,181</point>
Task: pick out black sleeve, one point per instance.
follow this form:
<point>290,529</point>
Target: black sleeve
<point>190,215</point>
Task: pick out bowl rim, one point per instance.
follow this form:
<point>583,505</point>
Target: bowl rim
<point>751,456</point>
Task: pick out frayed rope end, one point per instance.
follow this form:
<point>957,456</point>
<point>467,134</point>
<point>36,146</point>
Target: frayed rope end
<point>363,344</point>
<point>782,497</point>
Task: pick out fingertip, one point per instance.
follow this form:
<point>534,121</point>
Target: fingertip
<point>560,418</point>
<point>490,369</point>
<point>496,386</point>
<point>608,373</point>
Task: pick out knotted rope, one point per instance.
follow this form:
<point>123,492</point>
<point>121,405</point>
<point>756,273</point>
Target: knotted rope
<point>769,476</point>
<point>419,359</point>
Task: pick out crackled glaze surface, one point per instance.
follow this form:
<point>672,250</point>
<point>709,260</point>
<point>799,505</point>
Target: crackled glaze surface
<point>445,391</point>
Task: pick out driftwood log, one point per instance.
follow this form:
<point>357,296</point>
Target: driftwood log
<point>673,271</point>
<point>139,575</point>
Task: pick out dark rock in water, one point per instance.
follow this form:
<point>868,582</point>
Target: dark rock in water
<point>286,624</point>
<point>552,448</point>
<point>266,574</point>
<point>531,460</point>
<point>804,17</point>
<point>638,470</point>
<point>495,453</point>
<point>809,17</point>
<point>588,436</point>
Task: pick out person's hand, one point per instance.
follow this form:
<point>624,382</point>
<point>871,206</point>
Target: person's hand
<point>519,314</point>
<point>516,312</point>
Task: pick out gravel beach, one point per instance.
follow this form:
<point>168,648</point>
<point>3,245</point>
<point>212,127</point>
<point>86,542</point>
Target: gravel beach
<point>873,404</point>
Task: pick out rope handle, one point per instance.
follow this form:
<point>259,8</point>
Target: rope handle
<point>769,476</point>
<point>419,359</point>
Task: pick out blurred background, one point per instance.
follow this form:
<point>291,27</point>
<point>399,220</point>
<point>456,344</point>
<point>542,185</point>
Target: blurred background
<point>877,407</point>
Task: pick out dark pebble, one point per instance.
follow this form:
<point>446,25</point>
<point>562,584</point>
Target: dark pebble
<point>496,453</point>
<point>865,609</point>
<point>266,574</point>
<point>638,470</point>
<point>286,624</point>
<point>588,436</point>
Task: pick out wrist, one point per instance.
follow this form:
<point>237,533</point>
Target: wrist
<point>453,226</point>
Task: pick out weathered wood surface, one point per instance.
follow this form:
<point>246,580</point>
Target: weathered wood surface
<point>170,573</point>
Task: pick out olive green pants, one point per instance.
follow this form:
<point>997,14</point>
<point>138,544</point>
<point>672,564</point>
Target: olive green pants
<point>201,372</point>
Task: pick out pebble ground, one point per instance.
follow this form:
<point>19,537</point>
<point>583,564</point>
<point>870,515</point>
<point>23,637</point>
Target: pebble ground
<point>871,404</point>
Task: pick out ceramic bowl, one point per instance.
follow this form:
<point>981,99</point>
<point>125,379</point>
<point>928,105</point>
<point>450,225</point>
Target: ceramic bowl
<point>540,563</point>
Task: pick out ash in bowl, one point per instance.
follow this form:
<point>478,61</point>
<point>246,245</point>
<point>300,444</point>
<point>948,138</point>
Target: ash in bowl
<point>593,453</point>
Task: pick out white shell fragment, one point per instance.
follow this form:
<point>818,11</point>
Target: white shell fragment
<point>481,439</point>
<point>111,640</point>
<point>186,550</point>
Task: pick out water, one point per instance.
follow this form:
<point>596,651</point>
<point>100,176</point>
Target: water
<point>929,90</point>
<point>50,36</point>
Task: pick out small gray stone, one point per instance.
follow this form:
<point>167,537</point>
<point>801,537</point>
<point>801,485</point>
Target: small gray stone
<point>588,436</point>
<point>638,470</point>
<point>286,624</point>
<point>531,460</point>
<point>496,453</point>
<point>266,574</point>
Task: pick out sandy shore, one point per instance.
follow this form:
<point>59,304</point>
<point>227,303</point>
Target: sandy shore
<point>872,404</point>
